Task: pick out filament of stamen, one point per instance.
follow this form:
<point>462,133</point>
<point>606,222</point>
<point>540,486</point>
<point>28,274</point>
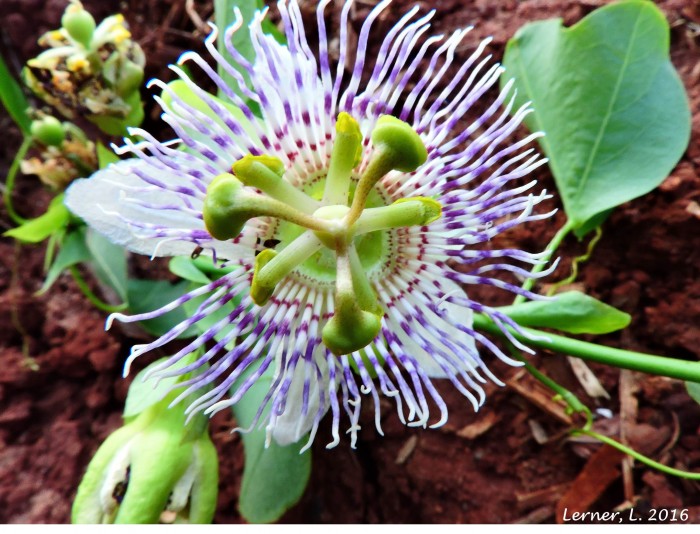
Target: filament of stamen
<point>346,154</point>
<point>228,206</point>
<point>419,211</point>
<point>272,267</point>
<point>266,173</point>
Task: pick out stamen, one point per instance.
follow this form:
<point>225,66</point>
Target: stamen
<point>346,155</point>
<point>397,147</point>
<point>417,211</point>
<point>266,173</point>
<point>271,267</point>
<point>228,206</point>
<point>357,318</point>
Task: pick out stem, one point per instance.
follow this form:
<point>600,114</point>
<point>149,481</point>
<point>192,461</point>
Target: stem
<point>94,299</point>
<point>571,400</point>
<point>551,248</point>
<point>10,181</point>
<point>29,361</point>
<point>637,361</point>
<point>637,456</point>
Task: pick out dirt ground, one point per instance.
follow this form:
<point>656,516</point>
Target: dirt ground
<point>511,462</point>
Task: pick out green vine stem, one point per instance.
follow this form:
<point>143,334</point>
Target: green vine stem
<point>10,181</point>
<point>636,361</point>
<point>549,251</point>
<point>573,403</point>
<point>576,405</point>
<point>636,455</point>
<point>94,299</point>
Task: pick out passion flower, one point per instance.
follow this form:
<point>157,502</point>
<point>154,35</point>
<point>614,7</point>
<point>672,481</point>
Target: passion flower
<point>378,195</point>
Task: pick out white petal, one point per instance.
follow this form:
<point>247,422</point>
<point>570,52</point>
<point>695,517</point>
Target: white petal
<point>105,201</point>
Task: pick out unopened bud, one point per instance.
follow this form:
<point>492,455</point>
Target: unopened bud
<point>79,24</point>
<point>48,131</point>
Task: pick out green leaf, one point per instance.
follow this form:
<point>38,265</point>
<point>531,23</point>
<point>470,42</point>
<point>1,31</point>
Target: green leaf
<point>144,394</point>
<point>109,262</point>
<point>274,478</point>
<point>572,312</point>
<point>181,89</point>
<point>73,251</point>
<point>613,108</point>
<point>224,16</point>
<point>36,230</point>
<point>13,98</point>
<point>148,295</point>
<point>186,269</point>
<point>105,156</point>
<point>693,390</point>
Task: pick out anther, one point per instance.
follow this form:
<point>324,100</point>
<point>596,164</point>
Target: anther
<point>228,206</point>
<point>397,147</point>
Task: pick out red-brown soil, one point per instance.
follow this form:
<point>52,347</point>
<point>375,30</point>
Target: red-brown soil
<point>511,462</point>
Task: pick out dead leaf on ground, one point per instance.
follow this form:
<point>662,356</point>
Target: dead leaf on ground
<point>601,470</point>
<point>478,427</point>
<point>588,380</point>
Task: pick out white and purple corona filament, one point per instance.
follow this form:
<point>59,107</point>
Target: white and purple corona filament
<point>377,195</point>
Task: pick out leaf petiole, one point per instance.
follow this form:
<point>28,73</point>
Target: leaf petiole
<point>94,299</point>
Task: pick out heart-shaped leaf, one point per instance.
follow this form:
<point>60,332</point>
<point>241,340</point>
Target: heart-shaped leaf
<point>274,477</point>
<point>605,93</point>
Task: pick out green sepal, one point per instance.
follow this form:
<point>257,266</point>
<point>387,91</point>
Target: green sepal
<point>158,459</point>
<point>87,505</point>
<point>205,488</point>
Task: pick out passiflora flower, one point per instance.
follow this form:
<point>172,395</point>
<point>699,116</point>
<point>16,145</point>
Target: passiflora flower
<point>378,188</point>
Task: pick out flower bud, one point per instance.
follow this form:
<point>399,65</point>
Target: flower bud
<point>48,131</point>
<point>153,469</point>
<point>79,24</point>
